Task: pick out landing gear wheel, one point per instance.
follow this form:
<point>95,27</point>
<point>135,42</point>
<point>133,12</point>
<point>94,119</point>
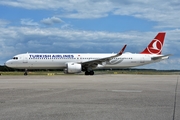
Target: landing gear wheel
<point>89,73</point>
<point>86,73</point>
<point>25,73</point>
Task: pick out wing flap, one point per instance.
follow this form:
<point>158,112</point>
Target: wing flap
<point>100,61</point>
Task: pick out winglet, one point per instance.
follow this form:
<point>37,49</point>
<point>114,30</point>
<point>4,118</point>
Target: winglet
<point>122,50</point>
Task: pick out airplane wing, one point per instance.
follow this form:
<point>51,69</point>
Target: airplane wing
<point>161,57</point>
<point>94,63</point>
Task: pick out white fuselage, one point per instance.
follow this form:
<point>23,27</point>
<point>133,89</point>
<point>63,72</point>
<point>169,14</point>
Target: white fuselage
<point>59,60</point>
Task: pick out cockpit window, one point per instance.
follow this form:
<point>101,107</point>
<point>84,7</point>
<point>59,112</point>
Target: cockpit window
<point>15,58</point>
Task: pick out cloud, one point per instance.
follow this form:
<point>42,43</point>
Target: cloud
<point>162,12</point>
<point>51,21</point>
<point>4,22</point>
<point>66,26</point>
<point>28,22</point>
<point>35,39</point>
<point>32,4</point>
<point>165,13</point>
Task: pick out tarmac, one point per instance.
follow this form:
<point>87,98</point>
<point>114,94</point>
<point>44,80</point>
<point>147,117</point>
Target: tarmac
<point>98,97</point>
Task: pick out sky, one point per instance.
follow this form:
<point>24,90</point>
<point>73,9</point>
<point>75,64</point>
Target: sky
<point>89,26</point>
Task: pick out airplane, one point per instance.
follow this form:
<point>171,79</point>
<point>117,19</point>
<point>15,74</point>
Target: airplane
<point>78,62</point>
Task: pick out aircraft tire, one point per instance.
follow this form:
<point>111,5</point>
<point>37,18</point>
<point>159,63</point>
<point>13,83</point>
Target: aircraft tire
<point>86,73</point>
<point>25,73</point>
<point>91,72</point>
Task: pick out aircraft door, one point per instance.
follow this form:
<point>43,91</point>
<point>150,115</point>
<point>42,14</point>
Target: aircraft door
<point>142,60</point>
<point>25,59</point>
<point>79,58</point>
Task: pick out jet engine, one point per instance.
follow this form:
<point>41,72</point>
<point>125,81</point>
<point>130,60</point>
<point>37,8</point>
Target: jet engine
<point>73,68</point>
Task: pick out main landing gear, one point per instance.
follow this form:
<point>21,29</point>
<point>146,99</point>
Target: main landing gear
<point>89,72</point>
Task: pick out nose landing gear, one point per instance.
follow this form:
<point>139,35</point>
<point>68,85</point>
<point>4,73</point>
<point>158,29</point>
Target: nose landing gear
<point>26,72</point>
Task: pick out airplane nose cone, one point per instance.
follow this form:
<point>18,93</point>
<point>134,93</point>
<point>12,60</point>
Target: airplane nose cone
<point>8,63</point>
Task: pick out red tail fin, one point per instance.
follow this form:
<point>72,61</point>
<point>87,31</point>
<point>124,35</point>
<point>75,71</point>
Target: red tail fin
<point>156,45</point>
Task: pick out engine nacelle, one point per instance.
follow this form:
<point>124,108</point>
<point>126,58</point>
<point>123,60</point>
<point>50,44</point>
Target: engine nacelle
<point>73,68</point>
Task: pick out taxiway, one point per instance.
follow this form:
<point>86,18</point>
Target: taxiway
<point>98,97</point>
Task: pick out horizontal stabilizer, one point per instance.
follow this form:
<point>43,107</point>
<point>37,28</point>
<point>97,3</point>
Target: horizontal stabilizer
<point>161,57</point>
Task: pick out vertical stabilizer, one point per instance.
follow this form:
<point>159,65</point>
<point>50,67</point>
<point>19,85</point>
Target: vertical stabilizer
<point>156,45</point>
